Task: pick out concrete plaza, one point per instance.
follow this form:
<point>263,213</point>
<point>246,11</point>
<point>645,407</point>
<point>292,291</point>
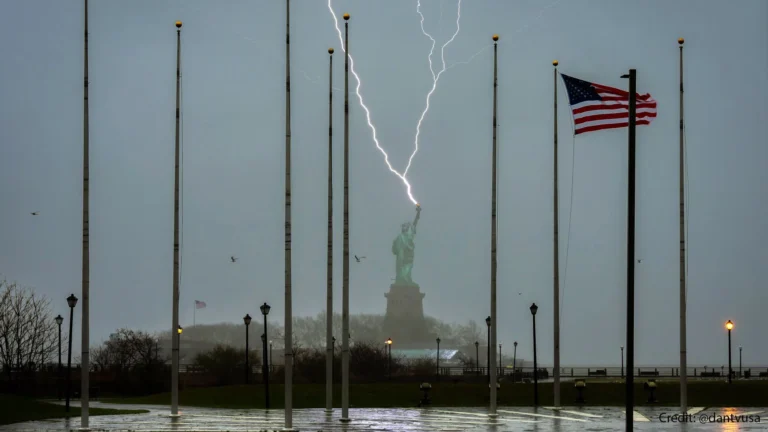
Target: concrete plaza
<point>405,419</point>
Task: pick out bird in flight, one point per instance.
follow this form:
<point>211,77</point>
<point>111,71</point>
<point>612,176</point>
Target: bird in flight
<point>233,258</point>
<point>35,213</point>
<point>639,261</point>
<point>357,258</point>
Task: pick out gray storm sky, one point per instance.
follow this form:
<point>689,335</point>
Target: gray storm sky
<point>233,110</point>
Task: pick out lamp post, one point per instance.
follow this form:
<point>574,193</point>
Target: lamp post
<point>179,330</point>
<point>438,358</point>
<point>622,362</point>
<point>477,357</point>
<point>535,308</point>
<point>729,327</point>
<point>488,354</point>
<point>739,360</point>
<point>389,357</point>
<point>500,366</point>
<point>59,320</point>
<point>71,301</point>
<point>514,361</point>
<point>265,311</point>
<point>247,321</point>
<point>271,350</point>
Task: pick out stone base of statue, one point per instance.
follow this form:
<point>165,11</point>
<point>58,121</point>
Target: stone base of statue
<point>404,321</point>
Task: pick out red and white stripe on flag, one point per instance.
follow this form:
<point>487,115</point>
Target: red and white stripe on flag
<point>596,106</point>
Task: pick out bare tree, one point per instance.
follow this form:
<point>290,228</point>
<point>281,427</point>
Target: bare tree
<point>126,350</point>
<point>28,333</point>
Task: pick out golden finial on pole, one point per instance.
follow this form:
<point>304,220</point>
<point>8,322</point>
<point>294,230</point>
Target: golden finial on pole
<point>555,63</point>
<point>495,37</point>
<point>178,24</point>
<point>346,17</point>
<point>680,41</point>
<point>330,50</point>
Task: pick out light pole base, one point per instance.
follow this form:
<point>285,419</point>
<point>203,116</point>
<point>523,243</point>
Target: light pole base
<point>345,420</point>
<point>329,411</point>
<point>493,416</point>
<point>174,415</point>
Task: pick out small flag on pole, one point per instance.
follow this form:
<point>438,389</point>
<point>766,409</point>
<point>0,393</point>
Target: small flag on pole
<point>596,107</point>
<point>199,304</point>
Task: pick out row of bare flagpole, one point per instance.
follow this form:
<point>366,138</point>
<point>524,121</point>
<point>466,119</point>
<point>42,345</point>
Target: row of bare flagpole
<point>345,278</point>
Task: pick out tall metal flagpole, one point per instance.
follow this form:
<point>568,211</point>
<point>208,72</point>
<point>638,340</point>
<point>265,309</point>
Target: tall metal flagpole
<point>630,381</point>
<point>175,327</point>
<point>556,261</point>
<point>288,351</point>
<point>86,271</point>
<point>329,270</point>
<point>492,343</point>
<point>683,353</point>
<point>345,254</point>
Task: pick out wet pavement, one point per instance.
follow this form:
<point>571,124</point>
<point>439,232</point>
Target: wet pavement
<point>567,419</point>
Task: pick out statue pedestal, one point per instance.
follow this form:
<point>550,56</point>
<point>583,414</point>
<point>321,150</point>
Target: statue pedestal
<point>404,321</point>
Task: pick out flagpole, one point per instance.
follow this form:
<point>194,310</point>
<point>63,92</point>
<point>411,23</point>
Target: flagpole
<point>329,269</point>
<point>175,327</point>
<point>345,254</point>
<point>630,381</point>
<point>556,258</point>
<point>86,259</point>
<point>492,343</point>
<point>288,351</point>
<point>683,353</point>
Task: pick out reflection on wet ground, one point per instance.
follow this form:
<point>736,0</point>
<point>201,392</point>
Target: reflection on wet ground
<point>542,419</point>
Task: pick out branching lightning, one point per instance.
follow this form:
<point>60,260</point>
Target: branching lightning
<point>365,108</point>
<point>435,77</point>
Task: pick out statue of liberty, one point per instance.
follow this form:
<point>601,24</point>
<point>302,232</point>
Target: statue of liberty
<point>403,248</point>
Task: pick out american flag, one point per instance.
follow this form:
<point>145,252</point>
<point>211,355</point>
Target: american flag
<point>199,304</point>
<point>597,107</point>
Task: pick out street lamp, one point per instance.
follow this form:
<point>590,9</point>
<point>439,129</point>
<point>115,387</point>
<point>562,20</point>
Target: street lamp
<point>500,366</point>
<point>514,361</point>
<point>271,350</point>
<point>729,327</point>
<point>389,360</point>
<point>179,330</point>
<point>71,301</point>
<point>265,374</point>
<point>488,354</point>
<point>247,321</point>
<point>59,320</point>
<point>438,357</point>
<point>535,308</point>
<point>477,357</point>
<point>740,361</point>
<point>622,361</point>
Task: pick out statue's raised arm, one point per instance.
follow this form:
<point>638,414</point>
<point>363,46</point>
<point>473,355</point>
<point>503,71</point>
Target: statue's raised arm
<point>418,214</point>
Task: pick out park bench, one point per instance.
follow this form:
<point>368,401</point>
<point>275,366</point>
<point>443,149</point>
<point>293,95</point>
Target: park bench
<point>649,373</point>
<point>597,372</point>
<point>712,374</point>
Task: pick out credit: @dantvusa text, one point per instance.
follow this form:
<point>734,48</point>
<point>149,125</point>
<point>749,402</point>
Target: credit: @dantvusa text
<point>708,418</point>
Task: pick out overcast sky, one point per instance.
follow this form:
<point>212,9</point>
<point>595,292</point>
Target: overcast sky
<point>233,110</point>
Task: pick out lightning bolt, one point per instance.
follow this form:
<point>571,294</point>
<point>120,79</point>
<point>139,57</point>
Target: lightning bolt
<point>365,108</point>
<point>435,77</point>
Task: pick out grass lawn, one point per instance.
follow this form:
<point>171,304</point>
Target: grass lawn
<point>20,409</point>
<point>700,393</point>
